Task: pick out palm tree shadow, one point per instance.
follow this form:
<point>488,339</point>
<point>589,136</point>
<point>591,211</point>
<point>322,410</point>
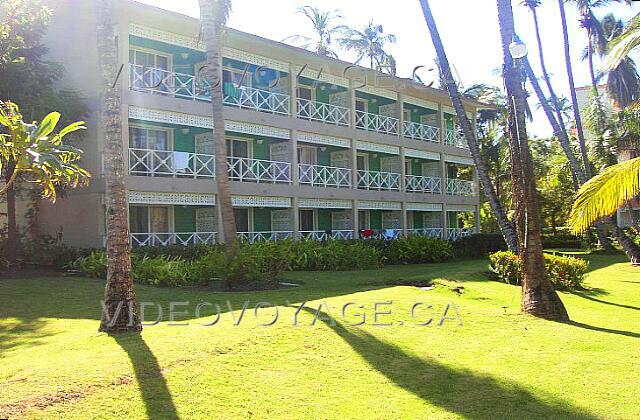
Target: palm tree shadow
<point>588,297</point>
<point>459,391</point>
<point>602,329</point>
<point>153,387</point>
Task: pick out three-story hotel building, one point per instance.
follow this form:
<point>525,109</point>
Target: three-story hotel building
<point>317,148</point>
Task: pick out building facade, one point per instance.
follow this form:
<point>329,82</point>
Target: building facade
<point>317,148</point>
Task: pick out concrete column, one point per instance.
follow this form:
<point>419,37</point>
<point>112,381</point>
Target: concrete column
<point>443,171</point>
<point>295,217</point>
<point>220,238</point>
<point>442,124</point>
<point>445,221</point>
<point>355,216</point>
<point>293,84</point>
<point>351,103</point>
<point>400,111</point>
<point>404,219</point>
<point>403,170</point>
<point>354,164</point>
<point>293,158</point>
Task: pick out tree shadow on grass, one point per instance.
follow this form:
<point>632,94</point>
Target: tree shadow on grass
<point>619,305</point>
<point>153,387</point>
<point>459,391</point>
<point>602,329</point>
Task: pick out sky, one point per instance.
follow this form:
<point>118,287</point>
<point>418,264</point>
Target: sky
<point>469,30</point>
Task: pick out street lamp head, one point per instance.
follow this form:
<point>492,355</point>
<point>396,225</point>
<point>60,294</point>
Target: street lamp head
<point>517,48</point>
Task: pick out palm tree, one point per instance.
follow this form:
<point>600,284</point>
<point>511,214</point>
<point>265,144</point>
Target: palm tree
<point>603,195</point>
<point>572,91</point>
<point>120,312</point>
<point>623,44</point>
<point>370,42</point>
<point>538,295</point>
<point>505,225</point>
<point>213,18</point>
<point>323,28</point>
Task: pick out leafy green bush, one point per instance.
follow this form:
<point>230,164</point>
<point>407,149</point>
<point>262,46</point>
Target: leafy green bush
<point>564,272</point>
<point>478,245</point>
<point>333,256</point>
<point>419,250</point>
<point>188,253</point>
<point>161,271</point>
<point>93,265</point>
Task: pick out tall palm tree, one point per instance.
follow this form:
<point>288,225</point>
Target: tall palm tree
<point>538,295</point>
<point>213,18</point>
<point>368,43</point>
<point>324,29</point>
<point>120,312</point>
<point>603,195</point>
<point>572,91</point>
<point>508,232</point>
<point>561,134</point>
<point>623,44</point>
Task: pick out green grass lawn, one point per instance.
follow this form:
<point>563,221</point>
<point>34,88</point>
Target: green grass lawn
<point>498,364</point>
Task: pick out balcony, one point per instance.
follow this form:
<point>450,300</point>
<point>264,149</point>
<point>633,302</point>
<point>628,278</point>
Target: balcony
<point>453,234</point>
<point>422,132</point>
<point>163,239</point>
<point>456,139</point>
<point>423,184</point>
<point>378,123</point>
<point>257,100</point>
<point>163,82</point>
<point>378,181</point>
<point>318,235</point>
<point>322,112</point>
<point>252,237</point>
<point>461,187</point>
<point>147,162</point>
<point>258,170</point>
<point>324,176</point>
<point>427,232</point>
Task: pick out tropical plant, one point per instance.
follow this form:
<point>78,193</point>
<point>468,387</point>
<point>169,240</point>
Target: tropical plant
<point>120,312</point>
<point>213,19</point>
<point>621,46</point>
<point>538,295</point>
<point>605,193</point>
<point>324,29</point>
<point>506,228</point>
<point>369,43</point>
<point>34,153</point>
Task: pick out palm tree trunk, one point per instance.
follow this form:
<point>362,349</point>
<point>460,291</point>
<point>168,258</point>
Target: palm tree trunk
<point>507,229</point>
<point>213,20</point>
<point>120,312</point>
<point>552,94</point>
<point>538,295</point>
<point>630,248</point>
<point>572,90</point>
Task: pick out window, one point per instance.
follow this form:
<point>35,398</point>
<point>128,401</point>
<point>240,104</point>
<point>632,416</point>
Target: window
<point>149,138</point>
<point>362,161</point>
<point>391,220</point>
<point>242,220</point>
<point>234,80</point>
<point>152,71</point>
<point>206,220</point>
<point>150,220</point>
<point>305,92</point>
<point>364,222</point>
<point>141,161</point>
<point>361,105</point>
<point>406,114</point>
<point>341,220</point>
<point>238,148</point>
<point>307,220</point>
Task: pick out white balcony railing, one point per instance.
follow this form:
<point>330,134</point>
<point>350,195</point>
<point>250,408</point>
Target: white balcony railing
<point>169,163</point>
<point>258,170</point>
<point>455,234</point>
<point>321,235</point>
<point>461,187</point>
<point>424,132</point>
<point>428,232</point>
<point>375,180</point>
<point>257,99</point>
<point>423,184</point>
<point>456,138</point>
<point>324,176</point>
<point>154,80</point>
<point>163,239</point>
<point>379,123</point>
<point>252,237</point>
<point>326,113</point>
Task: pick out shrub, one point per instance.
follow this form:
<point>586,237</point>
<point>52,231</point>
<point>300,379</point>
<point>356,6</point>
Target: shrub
<point>564,272</point>
<point>419,250</point>
<point>333,256</point>
<point>93,265</point>
<point>161,271</point>
<point>479,245</point>
<point>187,253</point>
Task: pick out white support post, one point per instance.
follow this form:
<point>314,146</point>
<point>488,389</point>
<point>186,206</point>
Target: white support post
<point>443,125</point>
<point>403,170</point>
<point>355,216</point>
<point>354,164</point>
<point>445,221</point>
<point>295,214</point>
<point>404,219</point>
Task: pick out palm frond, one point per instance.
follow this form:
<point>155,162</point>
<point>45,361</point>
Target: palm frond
<point>604,194</point>
<point>621,46</point>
